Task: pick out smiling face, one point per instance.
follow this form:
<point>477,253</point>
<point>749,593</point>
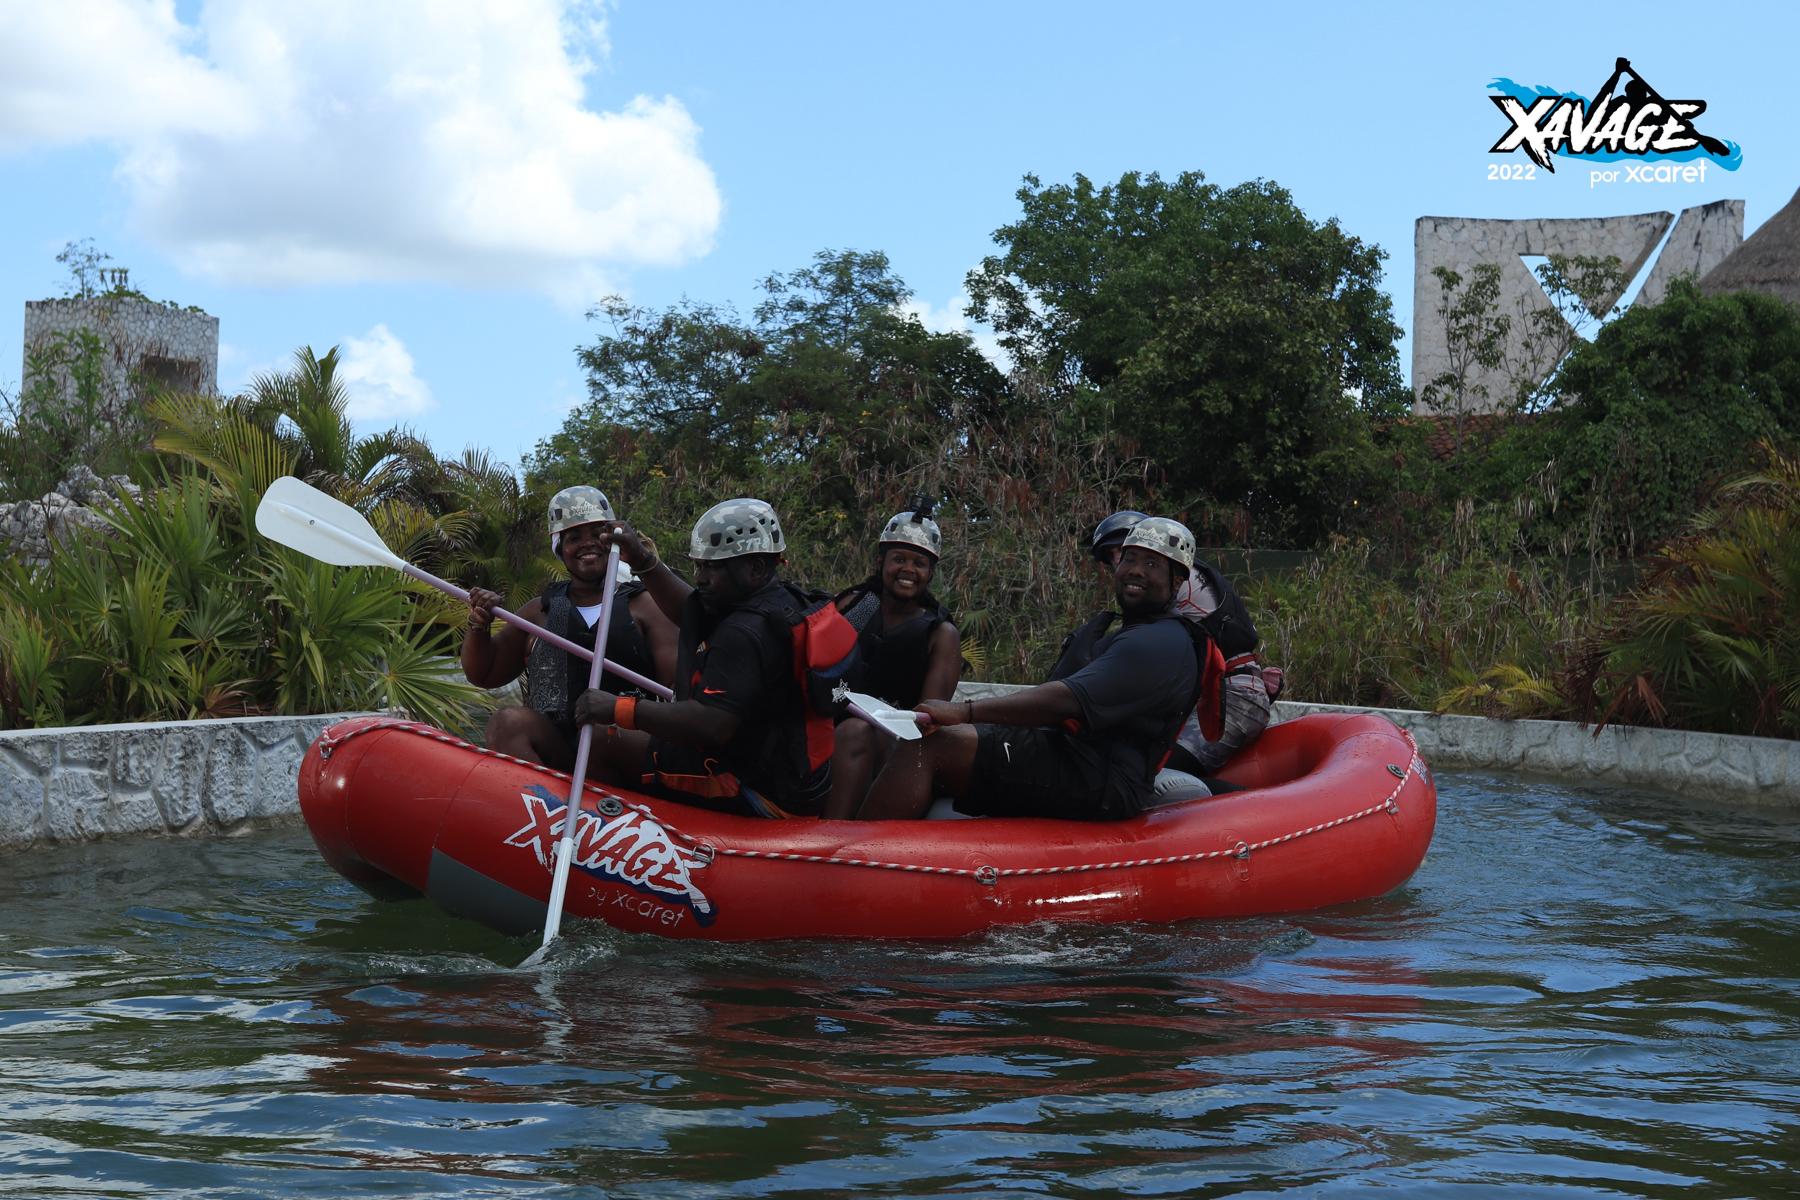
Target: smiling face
<point>905,572</point>
<point>1143,581</point>
<point>584,553</point>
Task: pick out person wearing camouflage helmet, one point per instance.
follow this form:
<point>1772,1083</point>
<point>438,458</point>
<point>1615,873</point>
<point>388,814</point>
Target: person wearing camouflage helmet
<point>733,738</point>
<point>1085,747</point>
<point>909,648</point>
<point>1208,599</point>
<point>641,638</point>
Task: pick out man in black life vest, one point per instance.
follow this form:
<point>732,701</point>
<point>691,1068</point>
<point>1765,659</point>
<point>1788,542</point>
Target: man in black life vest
<point>1086,747</point>
<point>1207,599</point>
<point>736,738</point>
<point>641,639</point>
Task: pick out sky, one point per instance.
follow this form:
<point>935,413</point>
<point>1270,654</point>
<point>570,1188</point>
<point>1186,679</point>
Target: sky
<point>445,188</point>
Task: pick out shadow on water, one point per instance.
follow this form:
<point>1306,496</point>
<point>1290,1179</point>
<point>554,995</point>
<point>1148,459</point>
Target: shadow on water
<point>1584,993</point>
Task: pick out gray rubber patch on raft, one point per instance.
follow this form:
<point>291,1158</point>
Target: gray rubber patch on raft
<point>466,892</point>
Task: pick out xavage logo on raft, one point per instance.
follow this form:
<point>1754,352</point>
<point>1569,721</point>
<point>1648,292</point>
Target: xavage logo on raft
<point>630,848</point>
<point>1630,122</point>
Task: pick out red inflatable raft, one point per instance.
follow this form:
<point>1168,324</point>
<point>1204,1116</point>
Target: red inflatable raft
<point>1336,808</point>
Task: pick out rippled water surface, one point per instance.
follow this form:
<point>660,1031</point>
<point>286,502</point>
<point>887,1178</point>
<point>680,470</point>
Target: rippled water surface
<point>1582,993</point>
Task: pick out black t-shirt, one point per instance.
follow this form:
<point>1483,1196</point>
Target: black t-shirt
<point>1136,692</point>
<point>744,667</point>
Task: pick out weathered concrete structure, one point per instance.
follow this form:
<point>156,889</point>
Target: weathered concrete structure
<point>142,341</point>
<point>1702,239</point>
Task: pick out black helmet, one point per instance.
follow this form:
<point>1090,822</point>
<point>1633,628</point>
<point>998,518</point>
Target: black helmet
<point>1112,531</point>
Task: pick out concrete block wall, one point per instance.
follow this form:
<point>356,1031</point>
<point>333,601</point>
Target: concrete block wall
<point>1739,772</point>
<point>72,784</point>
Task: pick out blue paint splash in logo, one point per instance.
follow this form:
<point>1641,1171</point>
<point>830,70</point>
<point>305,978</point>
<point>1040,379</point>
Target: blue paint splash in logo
<point>1528,95</point>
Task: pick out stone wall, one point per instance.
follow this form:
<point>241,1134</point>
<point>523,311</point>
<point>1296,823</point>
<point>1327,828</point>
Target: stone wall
<point>170,345</point>
<point>65,785</point>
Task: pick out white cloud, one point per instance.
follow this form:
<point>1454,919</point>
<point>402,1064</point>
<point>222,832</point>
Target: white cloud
<point>951,318</point>
<point>340,141</point>
<point>377,372</point>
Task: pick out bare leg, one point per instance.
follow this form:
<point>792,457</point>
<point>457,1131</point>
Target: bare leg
<point>619,756</point>
<point>853,765</point>
<point>528,734</point>
<point>935,765</point>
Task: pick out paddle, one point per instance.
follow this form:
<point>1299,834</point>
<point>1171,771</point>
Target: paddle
<point>584,743</point>
<point>303,518</point>
<point>903,723</point>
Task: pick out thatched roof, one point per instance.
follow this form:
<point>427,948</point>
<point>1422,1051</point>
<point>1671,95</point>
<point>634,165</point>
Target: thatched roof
<point>1768,261</point>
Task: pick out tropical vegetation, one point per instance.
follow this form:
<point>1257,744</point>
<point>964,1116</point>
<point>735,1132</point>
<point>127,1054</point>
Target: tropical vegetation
<point>1620,548</point>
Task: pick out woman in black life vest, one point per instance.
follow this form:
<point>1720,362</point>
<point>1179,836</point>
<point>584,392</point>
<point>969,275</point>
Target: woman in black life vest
<point>910,649</point>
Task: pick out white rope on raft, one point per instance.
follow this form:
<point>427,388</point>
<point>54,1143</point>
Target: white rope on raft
<point>984,874</point>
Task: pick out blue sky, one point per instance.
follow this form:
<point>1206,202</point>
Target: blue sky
<point>444,188</point>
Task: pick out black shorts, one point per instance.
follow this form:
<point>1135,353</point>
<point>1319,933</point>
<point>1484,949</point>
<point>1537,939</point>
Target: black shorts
<point>1037,772</point>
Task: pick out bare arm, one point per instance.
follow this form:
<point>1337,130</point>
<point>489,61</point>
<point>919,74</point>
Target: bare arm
<point>660,635</point>
<point>669,590</point>
<point>943,664</point>
<point>1045,704</point>
<point>489,659</point>
<point>686,722</point>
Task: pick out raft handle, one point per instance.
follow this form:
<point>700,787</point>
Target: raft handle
<point>987,875</point>
<point>703,854</point>
<point>1241,850</point>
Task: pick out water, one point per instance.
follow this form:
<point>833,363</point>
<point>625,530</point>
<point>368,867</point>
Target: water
<point>1582,993</point>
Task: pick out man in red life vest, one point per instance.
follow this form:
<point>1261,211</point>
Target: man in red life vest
<point>736,737</point>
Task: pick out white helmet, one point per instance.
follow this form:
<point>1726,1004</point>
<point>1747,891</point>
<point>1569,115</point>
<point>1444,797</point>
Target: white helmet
<point>914,529</point>
<point>579,505</point>
<point>1170,539</point>
<point>733,528</point>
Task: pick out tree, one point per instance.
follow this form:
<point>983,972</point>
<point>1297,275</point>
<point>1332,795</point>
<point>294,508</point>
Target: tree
<point>1666,400</point>
<point>828,365</point>
<point>1244,346</point>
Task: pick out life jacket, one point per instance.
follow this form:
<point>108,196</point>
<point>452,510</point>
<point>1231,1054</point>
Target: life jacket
<point>892,662</point>
<point>554,678</point>
<point>1229,624</point>
<point>822,648</point>
<point>1209,693</point>
<point>1078,648</point>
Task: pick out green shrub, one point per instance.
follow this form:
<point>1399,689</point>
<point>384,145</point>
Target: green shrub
<point>1711,640</point>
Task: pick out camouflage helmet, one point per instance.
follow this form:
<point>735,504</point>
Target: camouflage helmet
<point>1110,532</point>
<point>733,528</point>
<point>1170,539</point>
<point>579,505</point>
<point>915,529</point>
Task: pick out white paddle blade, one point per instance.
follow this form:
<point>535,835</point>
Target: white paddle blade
<point>303,518</point>
<point>903,723</point>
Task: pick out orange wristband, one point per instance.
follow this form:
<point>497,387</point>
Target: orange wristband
<point>625,712</point>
